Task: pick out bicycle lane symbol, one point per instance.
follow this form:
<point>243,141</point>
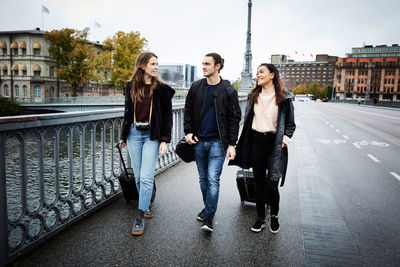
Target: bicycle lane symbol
<point>360,144</point>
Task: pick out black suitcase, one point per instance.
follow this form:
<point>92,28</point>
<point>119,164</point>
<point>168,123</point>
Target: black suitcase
<point>127,182</point>
<point>246,185</point>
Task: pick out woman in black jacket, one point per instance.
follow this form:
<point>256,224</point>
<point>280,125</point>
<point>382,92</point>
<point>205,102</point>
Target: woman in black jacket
<point>146,128</point>
<point>268,128</point>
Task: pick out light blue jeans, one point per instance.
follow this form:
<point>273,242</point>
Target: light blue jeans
<point>144,155</point>
<point>210,158</point>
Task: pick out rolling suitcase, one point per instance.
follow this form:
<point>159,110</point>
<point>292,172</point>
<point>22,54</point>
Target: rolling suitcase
<point>246,185</point>
<point>128,183</point>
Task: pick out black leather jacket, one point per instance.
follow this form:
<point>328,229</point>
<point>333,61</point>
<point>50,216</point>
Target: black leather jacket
<point>285,126</point>
<point>227,110</point>
<point>161,118</point>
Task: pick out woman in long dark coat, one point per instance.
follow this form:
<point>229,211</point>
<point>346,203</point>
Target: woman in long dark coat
<point>268,128</point>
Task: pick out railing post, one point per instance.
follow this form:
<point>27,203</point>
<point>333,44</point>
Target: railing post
<point>3,205</point>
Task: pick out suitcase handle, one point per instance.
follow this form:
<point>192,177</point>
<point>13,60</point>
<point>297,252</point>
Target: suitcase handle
<point>122,159</point>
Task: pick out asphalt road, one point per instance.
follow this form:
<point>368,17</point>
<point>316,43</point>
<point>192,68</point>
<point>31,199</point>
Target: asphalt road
<point>339,207</point>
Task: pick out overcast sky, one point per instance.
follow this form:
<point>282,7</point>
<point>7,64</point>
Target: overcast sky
<point>183,31</point>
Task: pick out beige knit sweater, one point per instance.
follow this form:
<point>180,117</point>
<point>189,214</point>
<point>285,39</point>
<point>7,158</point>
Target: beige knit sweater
<point>266,113</point>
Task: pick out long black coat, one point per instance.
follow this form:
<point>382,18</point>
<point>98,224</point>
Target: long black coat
<point>161,118</point>
<point>285,126</point>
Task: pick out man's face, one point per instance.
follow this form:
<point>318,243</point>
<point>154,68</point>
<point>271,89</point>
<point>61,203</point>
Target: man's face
<point>209,67</point>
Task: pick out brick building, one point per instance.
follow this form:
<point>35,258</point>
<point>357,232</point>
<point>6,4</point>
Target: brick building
<point>371,72</point>
<point>295,73</point>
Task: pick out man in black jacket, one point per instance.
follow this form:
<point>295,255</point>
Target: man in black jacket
<point>215,135</point>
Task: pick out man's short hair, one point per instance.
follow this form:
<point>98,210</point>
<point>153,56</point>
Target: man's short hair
<point>217,59</point>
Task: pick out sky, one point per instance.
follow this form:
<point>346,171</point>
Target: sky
<point>183,31</point>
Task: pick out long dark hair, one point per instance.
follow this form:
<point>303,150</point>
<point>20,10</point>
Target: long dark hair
<point>280,90</point>
<point>138,83</point>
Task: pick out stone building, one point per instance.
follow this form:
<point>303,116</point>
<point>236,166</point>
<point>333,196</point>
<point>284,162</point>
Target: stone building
<point>28,74</point>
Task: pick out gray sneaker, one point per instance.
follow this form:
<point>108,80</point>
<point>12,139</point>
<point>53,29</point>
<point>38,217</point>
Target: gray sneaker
<point>148,214</point>
<point>138,226</point>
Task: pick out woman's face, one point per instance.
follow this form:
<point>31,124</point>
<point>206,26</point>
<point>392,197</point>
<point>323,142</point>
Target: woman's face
<point>264,77</point>
<point>151,68</point>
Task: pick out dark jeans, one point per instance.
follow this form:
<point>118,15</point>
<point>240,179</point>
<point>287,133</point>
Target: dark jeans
<point>261,155</point>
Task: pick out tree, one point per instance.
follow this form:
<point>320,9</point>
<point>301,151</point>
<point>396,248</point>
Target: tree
<point>120,53</point>
<point>314,89</point>
<point>236,84</point>
<point>74,56</point>
<point>300,90</point>
<point>327,91</point>
<point>9,108</point>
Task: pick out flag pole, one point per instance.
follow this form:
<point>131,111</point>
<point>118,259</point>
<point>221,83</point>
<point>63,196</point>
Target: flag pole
<point>42,18</point>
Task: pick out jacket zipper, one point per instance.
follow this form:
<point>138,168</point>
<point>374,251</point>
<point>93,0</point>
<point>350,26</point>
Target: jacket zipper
<point>216,118</point>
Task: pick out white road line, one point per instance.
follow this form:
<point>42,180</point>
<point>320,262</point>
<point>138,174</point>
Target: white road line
<point>338,131</point>
<point>373,158</point>
<point>346,137</point>
<point>395,175</point>
<point>331,126</point>
<point>386,116</point>
<point>357,146</point>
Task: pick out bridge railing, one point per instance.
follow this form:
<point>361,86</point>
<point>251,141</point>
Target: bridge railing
<point>56,169</point>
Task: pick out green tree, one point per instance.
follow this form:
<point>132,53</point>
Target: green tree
<point>300,90</point>
<point>327,91</point>
<point>236,84</point>
<point>120,53</point>
<point>9,108</point>
<point>74,56</point>
<point>314,89</point>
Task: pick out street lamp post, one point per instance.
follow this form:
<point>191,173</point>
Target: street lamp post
<point>368,83</point>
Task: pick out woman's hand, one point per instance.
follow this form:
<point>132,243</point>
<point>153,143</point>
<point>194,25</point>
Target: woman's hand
<point>122,143</point>
<point>284,145</point>
<point>163,149</point>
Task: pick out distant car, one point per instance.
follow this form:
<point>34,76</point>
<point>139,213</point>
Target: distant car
<point>302,98</point>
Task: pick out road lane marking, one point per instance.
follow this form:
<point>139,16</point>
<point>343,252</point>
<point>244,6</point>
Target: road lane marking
<point>395,175</point>
<point>386,116</point>
<point>338,131</point>
<point>346,137</point>
<point>356,145</point>
<point>373,158</point>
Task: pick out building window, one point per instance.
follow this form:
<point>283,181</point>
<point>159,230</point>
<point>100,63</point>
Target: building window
<point>16,90</point>
<point>25,90</point>
<point>4,51</point>
<point>36,52</point>
<point>51,71</point>
<point>16,72</point>
<point>24,73</point>
<point>23,51</point>
<point>37,93</point>
<point>6,93</point>
<point>14,51</point>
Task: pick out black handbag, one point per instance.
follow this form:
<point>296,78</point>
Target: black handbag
<point>184,150</point>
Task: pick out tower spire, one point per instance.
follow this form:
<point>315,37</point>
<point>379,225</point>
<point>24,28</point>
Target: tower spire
<point>246,83</point>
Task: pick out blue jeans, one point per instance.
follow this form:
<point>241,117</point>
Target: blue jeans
<point>210,158</point>
<point>144,155</point>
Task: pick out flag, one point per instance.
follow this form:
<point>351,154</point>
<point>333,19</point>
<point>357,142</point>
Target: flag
<point>45,9</point>
<point>96,24</point>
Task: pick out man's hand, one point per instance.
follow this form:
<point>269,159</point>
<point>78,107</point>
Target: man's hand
<point>231,153</point>
<point>189,139</point>
<point>163,149</point>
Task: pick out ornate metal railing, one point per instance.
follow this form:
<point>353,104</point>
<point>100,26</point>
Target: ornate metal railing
<point>56,169</point>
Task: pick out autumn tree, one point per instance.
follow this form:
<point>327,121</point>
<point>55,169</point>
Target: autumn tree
<point>314,89</point>
<point>300,90</point>
<point>120,53</point>
<point>236,84</point>
<point>73,55</point>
